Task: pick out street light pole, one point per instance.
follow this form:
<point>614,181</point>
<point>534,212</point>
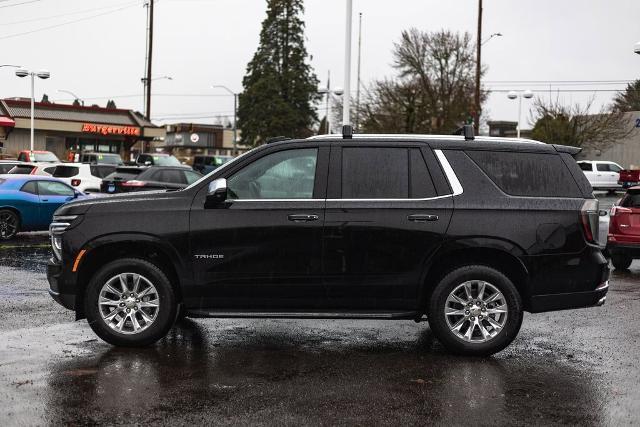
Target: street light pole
<point>43,74</point>
<point>72,94</point>
<point>478,68</point>
<point>636,48</point>
<point>235,116</point>
<point>346,106</point>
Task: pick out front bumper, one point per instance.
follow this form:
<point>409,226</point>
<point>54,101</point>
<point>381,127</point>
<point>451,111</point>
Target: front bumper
<point>54,275</point>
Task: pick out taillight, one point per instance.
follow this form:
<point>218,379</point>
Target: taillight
<point>616,210</point>
<point>133,183</point>
<point>75,182</point>
<point>590,220</point>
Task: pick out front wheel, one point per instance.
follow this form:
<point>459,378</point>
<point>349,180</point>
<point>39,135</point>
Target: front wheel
<point>475,310</point>
<point>130,303</point>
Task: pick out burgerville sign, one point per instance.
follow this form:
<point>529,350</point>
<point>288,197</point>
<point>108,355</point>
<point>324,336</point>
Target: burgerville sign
<point>111,130</point>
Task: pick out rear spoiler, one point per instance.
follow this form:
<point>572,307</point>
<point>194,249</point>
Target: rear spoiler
<point>567,149</point>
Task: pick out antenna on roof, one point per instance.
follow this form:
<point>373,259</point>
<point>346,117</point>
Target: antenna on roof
<point>467,131</point>
<point>347,132</point>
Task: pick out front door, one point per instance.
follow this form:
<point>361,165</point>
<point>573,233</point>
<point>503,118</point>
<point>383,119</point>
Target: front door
<point>261,249</point>
<point>52,194</point>
<point>385,216</point>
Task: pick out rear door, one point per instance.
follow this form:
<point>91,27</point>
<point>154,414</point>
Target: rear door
<point>388,208</point>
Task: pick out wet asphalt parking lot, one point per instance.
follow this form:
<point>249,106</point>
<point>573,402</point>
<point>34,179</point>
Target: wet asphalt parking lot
<point>571,367</point>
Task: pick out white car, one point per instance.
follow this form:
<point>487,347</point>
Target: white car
<point>602,175</point>
<point>82,176</point>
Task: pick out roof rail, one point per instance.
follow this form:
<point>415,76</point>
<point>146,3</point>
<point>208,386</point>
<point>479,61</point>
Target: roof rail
<point>273,139</point>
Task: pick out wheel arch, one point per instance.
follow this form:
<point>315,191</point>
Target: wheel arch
<point>112,247</point>
<point>499,254</point>
<point>17,212</point>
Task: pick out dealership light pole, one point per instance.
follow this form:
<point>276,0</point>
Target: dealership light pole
<point>636,48</point>
<point>235,115</point>
<point>43,74</point>
<point>513,95</point>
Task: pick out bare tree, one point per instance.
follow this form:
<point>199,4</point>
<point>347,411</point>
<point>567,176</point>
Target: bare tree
<point>433,92</point>
<point>556,123</point>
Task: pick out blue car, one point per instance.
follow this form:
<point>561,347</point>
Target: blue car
<point>27,202</point>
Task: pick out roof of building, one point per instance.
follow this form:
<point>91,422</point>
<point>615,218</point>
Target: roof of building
<point>21,108</point>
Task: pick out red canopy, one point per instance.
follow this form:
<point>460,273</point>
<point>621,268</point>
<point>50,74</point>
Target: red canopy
<point>7,122</point>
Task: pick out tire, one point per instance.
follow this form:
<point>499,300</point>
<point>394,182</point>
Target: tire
<point>621,261</point>
<point>9,224</point>
<point>153,287</point>
<point>496,285</point>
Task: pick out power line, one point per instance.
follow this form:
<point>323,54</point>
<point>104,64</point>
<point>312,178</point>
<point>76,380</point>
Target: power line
<point>64,23</point>
<point>18,4</point>
<point>79,12</point>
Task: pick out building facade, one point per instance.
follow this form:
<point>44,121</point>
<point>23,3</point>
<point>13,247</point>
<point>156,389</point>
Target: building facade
<point>67,129</point>
<point>625,152</point>
<point>186,140</point>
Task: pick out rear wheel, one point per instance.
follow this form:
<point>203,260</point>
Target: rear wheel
<point>475,310</point>
<point>621,261</point>
<point>9,224</point>
<point>130,302</point>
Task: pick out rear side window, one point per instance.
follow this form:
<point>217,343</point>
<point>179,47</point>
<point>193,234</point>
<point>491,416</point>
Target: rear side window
<point>173,176</point>
<point>51,188</point>
<point>631,199</point>
<point>421,184</point>
<point>30,187</point>
<point>22,170</point>
<point>586,167</point>
<point>607,167</point>
<point>65,171</point>
<point>6,167</point>
<point>527,174</point>
<point>101,171</point>
<point>375,173</point>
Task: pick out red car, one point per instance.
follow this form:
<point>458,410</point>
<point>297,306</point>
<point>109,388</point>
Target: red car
<point>37,156</point>
<point>623,240</point>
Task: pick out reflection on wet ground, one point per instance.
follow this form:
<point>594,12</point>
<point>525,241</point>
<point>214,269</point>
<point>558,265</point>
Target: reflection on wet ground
<point>572,367</point>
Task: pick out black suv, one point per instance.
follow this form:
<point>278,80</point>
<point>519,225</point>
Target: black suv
<point>468,234</point>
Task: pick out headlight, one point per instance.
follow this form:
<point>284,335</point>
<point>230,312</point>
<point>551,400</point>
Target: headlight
<point>57,227</point>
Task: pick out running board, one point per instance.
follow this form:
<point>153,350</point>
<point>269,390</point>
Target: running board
<point>303,314</point>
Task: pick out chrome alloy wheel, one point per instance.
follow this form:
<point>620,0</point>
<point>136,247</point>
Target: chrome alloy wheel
<point>476,311</point>
<point>128,303</point>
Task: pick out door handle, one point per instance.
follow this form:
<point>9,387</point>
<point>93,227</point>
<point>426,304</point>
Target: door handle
<point>302,218</point>
<point>422,218</point>
<point>45,200</point>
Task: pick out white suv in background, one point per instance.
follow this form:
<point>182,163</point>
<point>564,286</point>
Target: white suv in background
<point>82,176</point>
<point>602,175</point>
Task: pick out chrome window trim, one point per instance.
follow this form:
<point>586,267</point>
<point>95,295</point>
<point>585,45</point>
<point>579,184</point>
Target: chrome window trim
<point>450,174</point>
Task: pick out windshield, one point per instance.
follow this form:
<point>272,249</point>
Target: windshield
<point>110,159</point>
<point>45,157</point>
<point>224,166</point>
<point>166,161</point>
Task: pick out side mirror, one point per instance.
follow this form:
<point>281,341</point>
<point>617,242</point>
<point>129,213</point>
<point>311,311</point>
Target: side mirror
<point>217,192</point>
<point>147,163</point>
<point>76,194</point>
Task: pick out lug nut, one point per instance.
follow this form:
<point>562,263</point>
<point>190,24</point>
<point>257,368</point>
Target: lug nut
<point>472,318</point>
<point>480,317</point>
<point>135,308</point>
<point>128,310</point>
<point>137,299</point>
<point>466,312</point>
<point>121,304</point>
<point>132,295</point>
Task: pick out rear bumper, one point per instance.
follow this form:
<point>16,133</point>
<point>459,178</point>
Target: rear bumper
<point>629,249</point>
<point>54,276</point>
<point>597,297</point>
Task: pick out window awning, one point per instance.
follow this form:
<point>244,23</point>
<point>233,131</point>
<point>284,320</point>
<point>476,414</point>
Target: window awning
<point>7,122</point>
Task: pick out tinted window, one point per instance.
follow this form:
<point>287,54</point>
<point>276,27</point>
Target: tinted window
<point>527,174</point>
<point>171,175</point>
<point>64,171</point>
<point>606,167</point>
<point>30,187</point>
<point>22,170</point>
<point>6,167</point>
<point>124,173</point>
<point>51,188</point>
<point>283,175</point>
<point>631,199</point>
<point>375,173</point>
<point>421,185</point>
<point>101,171</point>
<point>192,177</point>
<point>22,157</point>
<point>586,167</point>
<point>166,161</point>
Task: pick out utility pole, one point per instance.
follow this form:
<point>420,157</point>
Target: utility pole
<point>357,121</point>
<point>328,120</point>
<point>149,61</point>
<point>478,69</point>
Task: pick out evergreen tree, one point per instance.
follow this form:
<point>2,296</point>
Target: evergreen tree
<point>111,104</point>
<point>280,88</point>
<point>629,100</point>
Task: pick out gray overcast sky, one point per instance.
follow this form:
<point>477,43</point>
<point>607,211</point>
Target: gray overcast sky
<point>205,42</point>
